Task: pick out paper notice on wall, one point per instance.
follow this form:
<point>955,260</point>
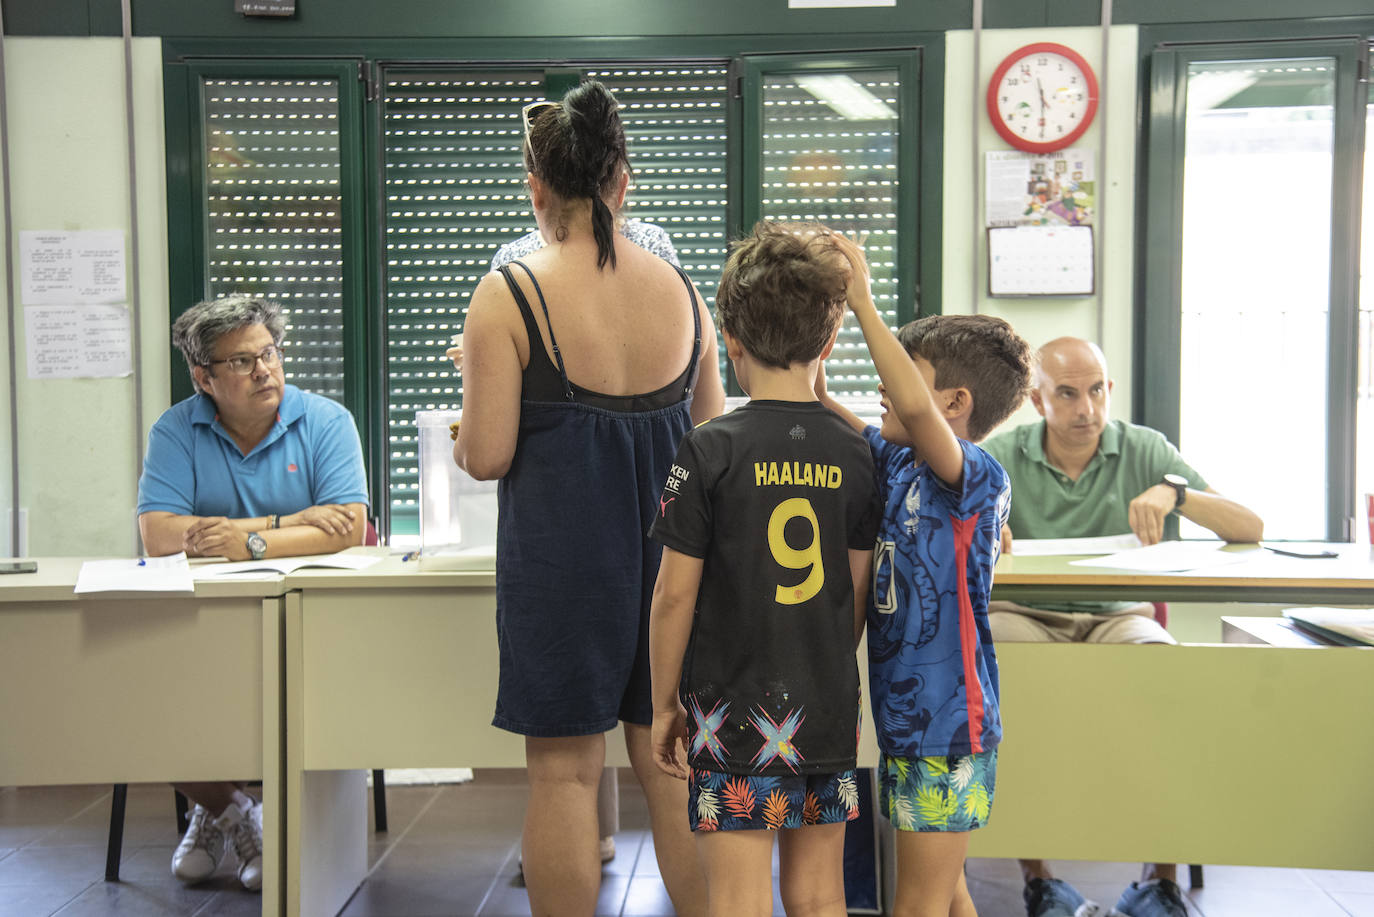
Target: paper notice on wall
<point>65,268</point>
<point>820,4</point>
<point>70,342</point>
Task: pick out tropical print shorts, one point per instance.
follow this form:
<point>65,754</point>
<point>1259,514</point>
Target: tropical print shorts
<point>939,793</point>
<point>740,802</point>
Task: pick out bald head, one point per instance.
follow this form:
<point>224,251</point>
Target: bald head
<point>1067,353</point>
<point>1072,392</point>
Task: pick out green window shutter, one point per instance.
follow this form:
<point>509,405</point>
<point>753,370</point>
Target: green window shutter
<point>829,145</point>
<point>454,193</point>
<point>272,192</point>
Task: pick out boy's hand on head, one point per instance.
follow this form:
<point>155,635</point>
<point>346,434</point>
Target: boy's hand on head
<point>668,730</point>
<point>859,295</point>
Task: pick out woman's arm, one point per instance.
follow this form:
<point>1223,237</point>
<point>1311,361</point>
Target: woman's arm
<point>491,383</point>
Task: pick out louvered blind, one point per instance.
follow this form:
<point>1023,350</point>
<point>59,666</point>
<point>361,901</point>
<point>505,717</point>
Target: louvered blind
<point>454,188</point>
<point>273,205</point>
<point>830,154</point>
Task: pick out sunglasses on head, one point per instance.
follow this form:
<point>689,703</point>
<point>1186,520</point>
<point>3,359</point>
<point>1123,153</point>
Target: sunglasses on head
<point>532,111</point>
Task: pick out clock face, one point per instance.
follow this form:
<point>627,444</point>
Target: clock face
<point>1042,97</point>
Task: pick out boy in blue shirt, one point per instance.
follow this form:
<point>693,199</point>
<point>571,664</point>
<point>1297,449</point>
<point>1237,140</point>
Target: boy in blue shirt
<point>947,380</point>
<point>767,520</point>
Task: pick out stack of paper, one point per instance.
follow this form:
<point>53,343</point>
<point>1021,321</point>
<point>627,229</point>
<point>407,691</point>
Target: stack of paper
<point>136,574</point>
<point>279,566</point>
<point>1347,626</point>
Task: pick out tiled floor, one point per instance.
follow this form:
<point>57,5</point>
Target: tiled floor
<point>451,851</point>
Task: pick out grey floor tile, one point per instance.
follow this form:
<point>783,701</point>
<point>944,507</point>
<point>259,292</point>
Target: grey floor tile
<point>1256,877</point>
<point>117,899</point>
<point>387,897</point>
<point>628,847</point>
<point>1239,901</point>
<point>646,897</point>
<point>40,865</point>
<point>462,855</point>
<point>1357,904</point>
<point>232,904</point>
<point>36,900</point>
<point>1342,880</point>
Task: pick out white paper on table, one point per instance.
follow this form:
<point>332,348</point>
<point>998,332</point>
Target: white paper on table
<point>1100,544</point>
<point>277,566</point>
<point>136,574</point>
<point>1165,557</point>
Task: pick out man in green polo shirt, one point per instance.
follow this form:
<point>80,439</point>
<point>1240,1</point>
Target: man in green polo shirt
<point>1077,474</point>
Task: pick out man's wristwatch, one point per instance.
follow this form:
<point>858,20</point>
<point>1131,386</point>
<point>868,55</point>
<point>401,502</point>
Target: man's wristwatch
<point>1180,485</point>
<point>257,545</point>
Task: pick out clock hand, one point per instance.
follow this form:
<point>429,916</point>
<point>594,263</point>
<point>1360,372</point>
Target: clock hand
<point>1043,105</point>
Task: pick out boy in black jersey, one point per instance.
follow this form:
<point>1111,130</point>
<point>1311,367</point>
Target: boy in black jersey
<point>768,520</point>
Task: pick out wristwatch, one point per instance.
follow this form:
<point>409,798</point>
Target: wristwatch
<point>257,545</point>
<point>1180,485</point>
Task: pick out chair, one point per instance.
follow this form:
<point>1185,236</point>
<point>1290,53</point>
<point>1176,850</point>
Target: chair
<point>114,847</point>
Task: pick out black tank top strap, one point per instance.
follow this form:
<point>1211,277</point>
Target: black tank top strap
<point>694,364</point>
<point>532,327</point>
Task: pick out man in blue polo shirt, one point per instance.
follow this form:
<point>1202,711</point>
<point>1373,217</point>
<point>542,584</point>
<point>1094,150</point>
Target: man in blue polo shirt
<point>248,467</point>
<point>1077,474</point>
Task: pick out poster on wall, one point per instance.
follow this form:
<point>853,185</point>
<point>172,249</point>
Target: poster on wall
<point>62,268</point>
<point>76,323</point>
<point>70,342</point>
<point>1040,189</point>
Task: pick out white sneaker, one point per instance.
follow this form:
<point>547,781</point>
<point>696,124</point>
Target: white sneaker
<point>201,848</point>
<point>607,848</point>
<point>244,831</point>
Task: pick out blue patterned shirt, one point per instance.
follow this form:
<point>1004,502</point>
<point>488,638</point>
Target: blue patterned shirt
<point>932,669</point>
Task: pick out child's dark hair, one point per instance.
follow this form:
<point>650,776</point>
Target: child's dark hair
<point>577,148</point>
<point>782,292</point>
<point>981,353</point>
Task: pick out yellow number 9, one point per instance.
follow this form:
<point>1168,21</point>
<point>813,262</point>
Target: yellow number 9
<point>789,557</point>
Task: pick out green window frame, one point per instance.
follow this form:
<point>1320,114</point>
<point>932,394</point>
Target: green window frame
<point>1158,360</point>
<point>360,74</point>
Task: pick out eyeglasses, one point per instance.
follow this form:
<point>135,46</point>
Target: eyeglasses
<point>532,111</point>
<point>241,364</point>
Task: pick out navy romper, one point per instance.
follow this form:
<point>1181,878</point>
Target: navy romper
<point>575,569</point>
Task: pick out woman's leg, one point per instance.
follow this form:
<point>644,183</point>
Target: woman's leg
<point>678,862</point>
<point>561,865</point>
<point>739,871</point>
<point>930,865</point>
<point>811,868</point>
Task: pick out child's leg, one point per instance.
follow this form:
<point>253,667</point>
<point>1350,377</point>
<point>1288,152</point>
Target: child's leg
<point>811,867</point>
<point>739,872</point>
<point>930,870</point>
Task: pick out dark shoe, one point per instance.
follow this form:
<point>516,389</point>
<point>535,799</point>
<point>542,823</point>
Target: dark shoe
<point>1051,898</point>
<point>1155,898</point>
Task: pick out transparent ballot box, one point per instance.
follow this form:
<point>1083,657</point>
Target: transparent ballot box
<point>457,513</point>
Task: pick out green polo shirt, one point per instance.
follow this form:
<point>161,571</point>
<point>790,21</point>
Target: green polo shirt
<point>1046,503</point>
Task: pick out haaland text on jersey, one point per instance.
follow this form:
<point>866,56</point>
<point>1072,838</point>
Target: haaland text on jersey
<point>803,473</point>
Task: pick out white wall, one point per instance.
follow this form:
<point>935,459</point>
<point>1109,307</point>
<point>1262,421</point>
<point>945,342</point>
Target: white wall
<point>69,171</point>
<point>1041,319</point>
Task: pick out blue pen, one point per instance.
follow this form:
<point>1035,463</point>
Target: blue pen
<point>143,562</point>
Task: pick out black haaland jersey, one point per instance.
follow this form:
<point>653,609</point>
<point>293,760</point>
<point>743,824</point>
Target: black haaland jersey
<point>772,497</point>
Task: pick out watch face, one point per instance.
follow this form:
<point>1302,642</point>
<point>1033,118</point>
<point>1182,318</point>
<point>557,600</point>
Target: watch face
<point>256,545</point>
<point>1042,97</point>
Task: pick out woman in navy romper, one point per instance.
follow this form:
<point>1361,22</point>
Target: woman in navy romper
<point>583,365</point>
